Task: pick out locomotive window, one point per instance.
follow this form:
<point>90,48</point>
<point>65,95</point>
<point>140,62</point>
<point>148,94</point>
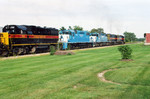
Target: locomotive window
<point>10,31</point>
<point>81,32</point>
<point>21,31</point>
<point>66,33</point>
<point>94,34</point>
<point>29,32</point>
<point>12,27</point>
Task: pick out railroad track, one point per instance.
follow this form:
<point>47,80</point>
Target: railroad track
<point>47,53</point>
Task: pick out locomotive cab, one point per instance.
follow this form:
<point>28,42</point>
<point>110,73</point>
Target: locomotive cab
<point>64,36</point>
<point>4,43</point>
<point>93,37</point>
<point>15,29</point>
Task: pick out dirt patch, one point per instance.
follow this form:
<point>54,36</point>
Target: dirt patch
<point>126,60</point>
<point>74,87</point>
<point>22,56</point>
<point>64,53</point>
<point>102,78</point>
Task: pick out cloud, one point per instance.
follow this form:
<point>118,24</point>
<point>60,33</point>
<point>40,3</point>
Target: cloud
<point>115,16</point>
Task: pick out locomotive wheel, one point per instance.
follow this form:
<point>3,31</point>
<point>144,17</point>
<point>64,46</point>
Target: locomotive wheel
<point>15,53</point>
<point>100,44</point>
<point>20,51</point>
<point>5,53</point>
<point>32,50</point>
<point>107,44</point>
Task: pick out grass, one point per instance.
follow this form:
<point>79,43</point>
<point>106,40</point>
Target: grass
<point>75,76</point>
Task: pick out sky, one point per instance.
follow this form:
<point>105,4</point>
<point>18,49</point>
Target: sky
<point>114,16</point>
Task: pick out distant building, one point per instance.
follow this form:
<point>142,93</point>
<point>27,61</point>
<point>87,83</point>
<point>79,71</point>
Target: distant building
<point>147,38</point>
<point>1,29</point>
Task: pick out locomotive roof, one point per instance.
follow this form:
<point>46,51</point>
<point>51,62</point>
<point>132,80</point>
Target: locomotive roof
<point>114,34</point>
<point>73,31</point>
<point>24,27</point>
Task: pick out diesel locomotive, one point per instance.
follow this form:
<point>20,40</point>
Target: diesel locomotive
<point>82,39</point>
<point>23,39</point>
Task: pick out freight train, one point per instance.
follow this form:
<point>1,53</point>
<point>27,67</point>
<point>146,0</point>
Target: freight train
<point>24,39</point>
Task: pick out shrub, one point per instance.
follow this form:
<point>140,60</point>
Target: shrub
<point>126,52</point>
<point>52,50</point>
<point>69,47</point>
<point>69,54</point>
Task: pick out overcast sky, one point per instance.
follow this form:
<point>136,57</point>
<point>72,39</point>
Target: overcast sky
<point>115,16</point>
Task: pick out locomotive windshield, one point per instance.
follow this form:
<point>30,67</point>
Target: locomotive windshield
<point>94,34</point>
<point>66,32</point>
<point>9,29</point>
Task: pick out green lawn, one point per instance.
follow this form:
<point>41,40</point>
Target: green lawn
<point>75,76</point>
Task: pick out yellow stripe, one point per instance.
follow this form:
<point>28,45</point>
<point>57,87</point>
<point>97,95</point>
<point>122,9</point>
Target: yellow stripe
<point>33,44</point>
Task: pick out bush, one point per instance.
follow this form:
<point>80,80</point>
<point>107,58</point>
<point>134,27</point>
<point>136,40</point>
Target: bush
<point>126,52</point>
<point>69,54</point>
<point>69,47</point>
<point>52,50</point>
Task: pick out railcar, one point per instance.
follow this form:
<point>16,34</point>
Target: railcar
<point>75,39</point>
<point>22,39</point>
<point>112,38</point>
<point>81,39</point>
<point>120,39</point>
<point>101,39</point>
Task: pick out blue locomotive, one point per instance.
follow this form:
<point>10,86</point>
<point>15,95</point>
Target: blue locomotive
<point>74,38</point>
<point>81,39</point>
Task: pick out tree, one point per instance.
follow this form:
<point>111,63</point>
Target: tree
<point>140,39</point>
<point>70,28</point>
<point>98,30</point>
<point>78,28</point>
<point>94,30</point>
<point>62,28</point>
<point>129,36</point>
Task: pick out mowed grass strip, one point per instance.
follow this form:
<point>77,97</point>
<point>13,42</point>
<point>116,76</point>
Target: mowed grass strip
<point>75,76</point>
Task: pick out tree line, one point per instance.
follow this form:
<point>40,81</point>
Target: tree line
<point>129,36</point>
<point>98,30</point>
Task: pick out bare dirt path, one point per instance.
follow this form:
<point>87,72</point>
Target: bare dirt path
<point>21,56</point>
<point>103,79</point>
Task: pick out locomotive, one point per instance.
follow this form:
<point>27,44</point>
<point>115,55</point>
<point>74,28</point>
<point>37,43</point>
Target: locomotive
<point>80,39</point>
<point>23,39</point>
